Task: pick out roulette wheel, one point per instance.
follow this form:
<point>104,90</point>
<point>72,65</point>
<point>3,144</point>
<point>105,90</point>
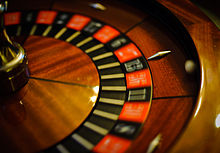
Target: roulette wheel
<point>117,76</point>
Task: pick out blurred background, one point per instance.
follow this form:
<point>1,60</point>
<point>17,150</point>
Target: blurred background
<point>211,8</point>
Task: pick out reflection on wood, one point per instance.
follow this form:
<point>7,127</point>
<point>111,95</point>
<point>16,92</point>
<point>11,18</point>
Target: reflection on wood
<point>57,60</point>
<point>201,134</point>
<point>42,114</point>
<point>173,94</point>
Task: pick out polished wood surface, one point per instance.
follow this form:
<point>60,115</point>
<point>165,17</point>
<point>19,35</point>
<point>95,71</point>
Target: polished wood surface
<point>167,117</point>
<point>119,15</point>
<point>202,132</point>
<point>171,85</point>
<point>60,61</point>
<point>53,104</point>
<point>169,76</point>
<point>172,112</point>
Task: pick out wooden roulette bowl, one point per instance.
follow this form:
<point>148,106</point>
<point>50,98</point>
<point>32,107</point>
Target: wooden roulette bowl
<point>92,88</point>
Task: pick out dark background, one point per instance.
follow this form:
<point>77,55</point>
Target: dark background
<point>211,8</point>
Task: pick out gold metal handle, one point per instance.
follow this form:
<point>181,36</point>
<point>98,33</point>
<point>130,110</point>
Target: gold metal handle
<point>13,62</point>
